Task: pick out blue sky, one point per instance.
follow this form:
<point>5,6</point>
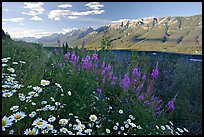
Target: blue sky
<point>38,19</point>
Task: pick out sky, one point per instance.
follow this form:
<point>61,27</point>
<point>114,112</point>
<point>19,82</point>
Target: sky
<point>37,19</point>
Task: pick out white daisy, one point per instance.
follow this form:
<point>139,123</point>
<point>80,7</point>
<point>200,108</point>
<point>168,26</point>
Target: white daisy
<point>122,128</point>
<point>129,120</point>
<point>93,118</point>
<point>70,132</point>
<point>132,125</point>
<point>180,130</point>
<point>6,122</point>
<point>14,108</point>
<point>22,62</point>
<point>40,123</point>
<point>107,131</point>
<point>15,63</point>
<point>4,60</point>
<point>131,117</point>
<point>78,121</point>
<point>12,70</point>
<point>139,127</point>
<point>63,121</point>
<point>11,132</point>
<point>88,131</point>
<point>171,123</point>
<point>44,102</point>
<point>45,131</point>
<point>32,93</point>
<point>33,103</point>
<point>18,116</point>
<point>126,126</point>
<point>4,65</point>
<point>115,128</point>
<point>32,114</point>
<point>29,131</point>
<point>7,94</point>
<point>157,127</point>
<point>52,108</point>
<point>185,129</point>
<point>38,89</point>
<point>167,126</point>
<point>44,82</point>
<point>63,130</point>
<point>50,127</point>
<point>120,111</point>
<point>69,93</point>
<point>52,119</point>
<point>162,127</point>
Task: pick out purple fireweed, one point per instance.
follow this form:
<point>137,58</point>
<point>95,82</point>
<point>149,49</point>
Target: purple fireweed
<point>113,80</point>
<point>74,57</point>
<point>94,57</point>
<point>126,101</point>
<point>144,77</point>
<point>110,75</point>
<point>103,65</point>
<point>104,80</point>
<point>108,67</point>
<point>88,58</point>
<point>141,97</point>
<point>154,73</point>
<point>67,55</point>
<point>146,102</point>
<point>99,91</point>
<point>103,72</point>
<point>170,105</point>
<point>136,72</point>
<point>139,88</point>
<point>60,65</point>
<point>125,83</point>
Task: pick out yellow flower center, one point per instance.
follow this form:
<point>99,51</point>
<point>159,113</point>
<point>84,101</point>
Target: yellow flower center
<point>44,82</point>
<point>7,94</point>
<point>39,122</point>
<point>93,118</point>
<point>49,126</point>
<point>32,93</point>
<point>3,122</point>
<point>51,118</point>
<point>17,116</point>
<point>15,108</point>
<point>31,132</point>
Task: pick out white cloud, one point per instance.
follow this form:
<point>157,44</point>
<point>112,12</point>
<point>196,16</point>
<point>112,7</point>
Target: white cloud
<point>14,20</point>
<point>35,9</point>
<point>72,17</point>
<point>23,32</point>
<point>95,8</point>
<point>118,21</point>
<point>56,14</point>
<point>94,5</point>
<point>97,11</point>
<point>36,18</point>
<point>65,6</point>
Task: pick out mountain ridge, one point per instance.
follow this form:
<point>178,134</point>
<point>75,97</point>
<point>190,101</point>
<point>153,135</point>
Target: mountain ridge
<point>167,34</point>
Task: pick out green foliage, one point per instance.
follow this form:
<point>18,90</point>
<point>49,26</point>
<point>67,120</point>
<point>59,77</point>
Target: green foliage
<point>105,42</point>
<point>33,54</point>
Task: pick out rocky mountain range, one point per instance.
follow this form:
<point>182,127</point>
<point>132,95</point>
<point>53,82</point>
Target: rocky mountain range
<point>166,34</point>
